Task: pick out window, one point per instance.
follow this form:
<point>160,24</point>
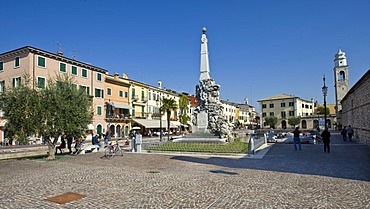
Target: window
<point>282,104</point>
<point>291,113</point>
<point>86,89</point>
<point>263,105</point>
<point>120,94</point>
<point>109,91</point>
<point>291,104</point>
<point>133,110</point>
<point>271,105</point>
<point>74,70</point>
<point>74,86</point>
<point>98,112</point>
<point>142,111</point>
<point>271,113</point>
<point>99,93</point>
<point>40,82</point>
<point>302,105</point>
<point>310,106</point>
<point>16,82</point>
<point>150,96</point>
<point>306,106</point>
<point>1,65</point>
<point>16,62</point>
<point>142,95</point>
<point>98,76</point>
<point>41,61</point>
<point>84,73</point>
<point>283,114</point>
<point>133,94</point>
<point>126,94</point>
<point>62,67</point>
<point>2,86</point>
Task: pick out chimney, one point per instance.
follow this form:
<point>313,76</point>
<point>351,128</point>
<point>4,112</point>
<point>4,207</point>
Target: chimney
<point>116,76</point>
<point>60,53</point>
<point>124,75</point>
<point>160,84</point>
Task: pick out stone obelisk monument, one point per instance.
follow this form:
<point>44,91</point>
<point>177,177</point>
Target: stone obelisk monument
<point>208,117</point>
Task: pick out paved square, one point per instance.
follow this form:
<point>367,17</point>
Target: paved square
<point>284,178</point>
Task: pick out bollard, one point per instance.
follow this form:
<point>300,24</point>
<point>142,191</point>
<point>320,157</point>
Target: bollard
<point>139,139</point>
<point>251,147</point>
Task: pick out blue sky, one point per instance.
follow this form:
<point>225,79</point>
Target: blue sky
<point>257,48</point>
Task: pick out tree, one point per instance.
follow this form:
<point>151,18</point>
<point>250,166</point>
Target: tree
<point>168,105</point>
<point>66,109</point>
<point>271,120</point>
<point>293,121</point>
<point>183,106</point>
<point>22,110</point>
<point>320,110</point>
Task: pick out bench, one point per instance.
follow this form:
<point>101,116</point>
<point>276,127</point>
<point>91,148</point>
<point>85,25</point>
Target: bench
<point>89,148</point>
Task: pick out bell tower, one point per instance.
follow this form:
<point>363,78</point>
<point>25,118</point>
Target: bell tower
<point>341,80</point>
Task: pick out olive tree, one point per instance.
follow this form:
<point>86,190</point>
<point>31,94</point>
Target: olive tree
<point>66,109</point>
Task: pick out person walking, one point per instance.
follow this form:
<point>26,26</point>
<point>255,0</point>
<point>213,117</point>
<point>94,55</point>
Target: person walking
<point>326,139</point>
<point>344,133</point>
<point>350,133</point>
<point>69,142</point>
<point>296,138</point>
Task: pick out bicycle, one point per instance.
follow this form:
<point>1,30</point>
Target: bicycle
<point>112,149</point>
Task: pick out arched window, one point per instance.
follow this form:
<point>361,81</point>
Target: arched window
<point>304,124</point>
<point>342,76</point>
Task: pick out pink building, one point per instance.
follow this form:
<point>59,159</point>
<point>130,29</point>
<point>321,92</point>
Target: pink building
<point>42,65</point>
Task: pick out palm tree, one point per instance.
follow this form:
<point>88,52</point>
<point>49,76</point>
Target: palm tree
<point>168,105</point>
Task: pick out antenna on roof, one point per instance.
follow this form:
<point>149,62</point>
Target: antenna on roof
<point>59,52</point>
<point>74,54</point>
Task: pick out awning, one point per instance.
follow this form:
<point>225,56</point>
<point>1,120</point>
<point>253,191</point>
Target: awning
<point>148,123</point>
<point>122,106</point>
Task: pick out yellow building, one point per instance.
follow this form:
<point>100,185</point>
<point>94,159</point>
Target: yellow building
<point>284,106</point>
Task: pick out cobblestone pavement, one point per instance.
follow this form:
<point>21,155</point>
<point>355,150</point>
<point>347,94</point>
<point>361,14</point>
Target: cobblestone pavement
<point>284,178</point>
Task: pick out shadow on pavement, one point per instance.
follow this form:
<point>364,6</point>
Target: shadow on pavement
<point>349,161</point>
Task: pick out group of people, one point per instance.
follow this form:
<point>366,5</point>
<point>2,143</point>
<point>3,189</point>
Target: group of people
<point>90,136</point>
<point>325,135</point>
<point>347,132</point>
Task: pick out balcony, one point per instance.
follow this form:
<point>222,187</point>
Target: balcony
<point>119,118</point>
<point>135,98</point>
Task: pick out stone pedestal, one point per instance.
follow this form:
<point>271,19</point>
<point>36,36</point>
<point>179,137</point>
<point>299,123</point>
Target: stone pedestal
<point>202,122</point>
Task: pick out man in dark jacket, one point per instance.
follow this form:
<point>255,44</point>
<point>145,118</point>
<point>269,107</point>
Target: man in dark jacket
<point>326,139</point>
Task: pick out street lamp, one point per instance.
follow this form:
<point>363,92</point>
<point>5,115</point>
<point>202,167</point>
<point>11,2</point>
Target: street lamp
<point>324,92</point>
<point>160,118</point>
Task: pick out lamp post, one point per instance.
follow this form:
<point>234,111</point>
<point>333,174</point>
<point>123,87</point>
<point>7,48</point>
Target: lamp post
<point>325,92</point>
<point>160,118</point>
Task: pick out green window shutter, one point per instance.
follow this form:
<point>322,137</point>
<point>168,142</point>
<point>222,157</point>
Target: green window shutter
<point>126,94</point>
<point>84,73</point>
<point>133,93</point>
<point>120,93</point>
<point>99,76</point>
<point>142,95</point>
<point>109,91</point>
<point>133,110</point>
<point>41,61</point>
<point>1,66</point>
<point>88,90</point>
<point>96,92</point>
<point>99,110</point>
<point>74,70</point>
<point>142,111</point>
<point>74,86</point>
<point>62,67</point>
<point>41,83</point>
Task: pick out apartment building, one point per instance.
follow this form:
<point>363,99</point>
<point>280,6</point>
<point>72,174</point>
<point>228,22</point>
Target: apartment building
<point>117,96</point>
<point>42,65</point>
<point>284,106</point>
